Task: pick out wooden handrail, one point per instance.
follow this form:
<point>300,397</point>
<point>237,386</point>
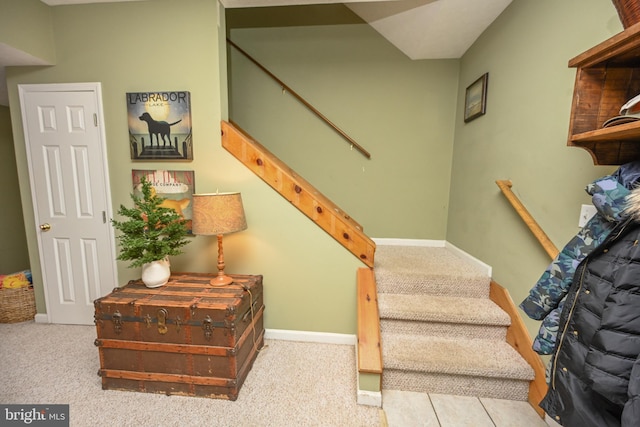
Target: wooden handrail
<point>547,244</point>
<point>299,192</point>
<point>304,102</point>
<point>517,334</point>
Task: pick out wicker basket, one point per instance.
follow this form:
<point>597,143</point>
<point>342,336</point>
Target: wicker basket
<point>17,305</point>
<point>628,11</point>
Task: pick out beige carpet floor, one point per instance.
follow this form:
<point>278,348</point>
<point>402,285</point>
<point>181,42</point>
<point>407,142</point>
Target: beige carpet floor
<point>291,384</point>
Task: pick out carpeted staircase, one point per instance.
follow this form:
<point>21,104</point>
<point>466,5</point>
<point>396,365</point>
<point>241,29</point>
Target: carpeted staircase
<point>440,331</point>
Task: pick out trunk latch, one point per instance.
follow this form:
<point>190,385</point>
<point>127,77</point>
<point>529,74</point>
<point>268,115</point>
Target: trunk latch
<point>162,321</point>
<point>207,326</point>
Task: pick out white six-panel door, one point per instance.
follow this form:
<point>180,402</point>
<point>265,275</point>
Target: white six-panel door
<point>71,198</point>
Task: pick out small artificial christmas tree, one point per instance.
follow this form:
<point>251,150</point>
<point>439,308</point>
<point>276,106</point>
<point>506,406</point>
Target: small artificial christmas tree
<point>151,232</point>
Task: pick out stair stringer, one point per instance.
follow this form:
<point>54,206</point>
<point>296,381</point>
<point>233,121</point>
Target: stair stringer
<point>317,207</point>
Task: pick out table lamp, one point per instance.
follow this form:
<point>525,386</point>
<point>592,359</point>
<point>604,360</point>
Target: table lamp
<point>216,214</point>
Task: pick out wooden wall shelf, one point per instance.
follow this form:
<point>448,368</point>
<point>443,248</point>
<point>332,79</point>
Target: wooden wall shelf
<point>607,76</point>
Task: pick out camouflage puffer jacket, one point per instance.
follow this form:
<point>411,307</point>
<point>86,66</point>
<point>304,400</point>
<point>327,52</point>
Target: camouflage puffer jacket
<point>595,369</point>
<point>546,298</point>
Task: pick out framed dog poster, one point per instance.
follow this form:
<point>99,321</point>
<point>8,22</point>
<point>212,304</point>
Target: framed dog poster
<point>160,125</point>
<point>177,187</point>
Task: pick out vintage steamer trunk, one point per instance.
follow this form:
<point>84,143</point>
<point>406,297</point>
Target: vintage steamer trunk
<point>187,337</point>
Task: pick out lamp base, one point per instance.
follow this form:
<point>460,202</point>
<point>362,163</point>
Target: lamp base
<point>221,280</point>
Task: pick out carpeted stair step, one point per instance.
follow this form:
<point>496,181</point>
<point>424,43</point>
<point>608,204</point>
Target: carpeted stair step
<point>443,316</point>
<point>427,270</point>
<point>478,357</point>
<point>441,333</point>
<point>472,367</point>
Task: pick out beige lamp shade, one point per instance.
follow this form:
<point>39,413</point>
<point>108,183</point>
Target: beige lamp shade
<point>217,213</point>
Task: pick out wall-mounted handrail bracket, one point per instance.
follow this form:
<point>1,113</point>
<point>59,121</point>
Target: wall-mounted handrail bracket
<point>304,102</point>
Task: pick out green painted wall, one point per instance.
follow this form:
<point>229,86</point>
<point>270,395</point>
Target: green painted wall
<point>168,45</point>
<point>401,111</point>
<point>431,176</point>
<point>27,25</point>
<point>13,244</point>
<point>523,137</point>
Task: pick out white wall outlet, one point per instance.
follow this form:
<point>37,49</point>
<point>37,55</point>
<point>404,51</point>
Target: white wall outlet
<point>586,213</point>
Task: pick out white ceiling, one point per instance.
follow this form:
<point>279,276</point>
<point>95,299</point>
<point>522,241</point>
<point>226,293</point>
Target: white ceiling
<point>422,29</point>
<point>431,29</point>
<point>10,56</point>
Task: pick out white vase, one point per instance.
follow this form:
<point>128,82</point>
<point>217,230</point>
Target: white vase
<point>156,273</point>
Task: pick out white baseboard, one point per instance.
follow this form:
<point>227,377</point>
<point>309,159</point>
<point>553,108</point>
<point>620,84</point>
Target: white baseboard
<point>306,336</point>
<point>41,318</point>
<point>470,258</point>
<point>366,397</point>
<point>409,242</point>
<point>280,334</point>
<point>370,398</point>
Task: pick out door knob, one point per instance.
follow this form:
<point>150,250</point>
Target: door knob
<point>45,227</point>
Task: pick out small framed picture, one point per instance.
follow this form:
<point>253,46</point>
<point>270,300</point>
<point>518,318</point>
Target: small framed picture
<point>175,186</point>
<point>475,100</point>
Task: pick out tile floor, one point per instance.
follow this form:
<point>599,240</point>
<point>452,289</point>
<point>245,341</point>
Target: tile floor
<point>409,409</point>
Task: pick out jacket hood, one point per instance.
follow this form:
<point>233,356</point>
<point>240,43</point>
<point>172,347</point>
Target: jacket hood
<point>633,204</point>
<point>609,197</point>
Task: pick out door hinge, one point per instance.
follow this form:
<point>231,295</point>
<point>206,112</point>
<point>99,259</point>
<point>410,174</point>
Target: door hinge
<point>95,119</point>
<point>104,217</point>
